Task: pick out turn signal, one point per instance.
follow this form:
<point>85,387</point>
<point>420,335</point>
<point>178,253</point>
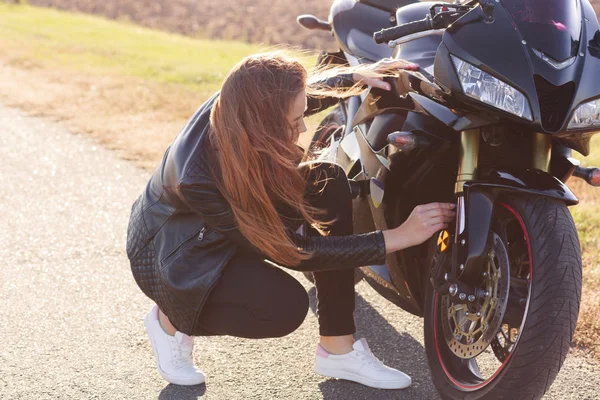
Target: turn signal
<point>595,177</point>
<point>590,175</point>
<point>406,141</point>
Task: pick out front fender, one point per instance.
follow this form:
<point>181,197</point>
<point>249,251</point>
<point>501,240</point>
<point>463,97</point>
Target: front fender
<point>480,197</point>
<point>532,181</point>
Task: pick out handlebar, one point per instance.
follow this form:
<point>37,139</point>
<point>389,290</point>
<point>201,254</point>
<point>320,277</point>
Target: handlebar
<point>441,15</point>
<point>396,32</point>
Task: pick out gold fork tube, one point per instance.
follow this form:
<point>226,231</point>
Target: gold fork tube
<point>469,157</point>
<point>542,151</point>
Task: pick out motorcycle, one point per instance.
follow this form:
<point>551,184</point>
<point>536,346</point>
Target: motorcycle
<point>505,91</point>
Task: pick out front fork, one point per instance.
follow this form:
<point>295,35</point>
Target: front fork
<point>474,216</point>
<point>467,169</point>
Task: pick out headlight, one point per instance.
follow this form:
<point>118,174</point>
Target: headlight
<point>586,115</point>
<point>485,88</point>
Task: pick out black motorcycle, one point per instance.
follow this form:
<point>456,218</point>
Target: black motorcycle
<point>505,91</point>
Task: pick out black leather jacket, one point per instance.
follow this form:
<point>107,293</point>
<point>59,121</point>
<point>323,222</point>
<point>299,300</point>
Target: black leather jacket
<point>182,233</point>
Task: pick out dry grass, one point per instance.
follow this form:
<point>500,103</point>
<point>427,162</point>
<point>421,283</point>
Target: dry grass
<point>587,218</point>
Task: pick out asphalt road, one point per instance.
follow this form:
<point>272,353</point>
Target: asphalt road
<point>71,313</point>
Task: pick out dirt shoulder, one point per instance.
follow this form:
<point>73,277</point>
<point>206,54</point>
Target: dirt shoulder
<point>136,118</point>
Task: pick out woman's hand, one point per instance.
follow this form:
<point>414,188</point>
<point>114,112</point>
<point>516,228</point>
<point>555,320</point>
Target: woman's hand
<point>384,66</point>
<point>423,222</point>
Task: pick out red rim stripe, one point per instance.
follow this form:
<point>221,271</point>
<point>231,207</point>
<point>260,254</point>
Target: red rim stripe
<point>437,350</point>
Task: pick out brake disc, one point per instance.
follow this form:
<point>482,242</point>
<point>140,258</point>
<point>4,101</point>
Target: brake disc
<point>469,329</point>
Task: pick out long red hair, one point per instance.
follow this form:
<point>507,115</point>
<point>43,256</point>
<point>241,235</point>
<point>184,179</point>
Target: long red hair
<point>257,156</point>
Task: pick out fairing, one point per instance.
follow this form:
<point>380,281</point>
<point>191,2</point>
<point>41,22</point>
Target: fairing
<point>508,48</point>
<point>549,26</point>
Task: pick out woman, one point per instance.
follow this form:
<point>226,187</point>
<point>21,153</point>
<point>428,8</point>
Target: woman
<point>225,205</point>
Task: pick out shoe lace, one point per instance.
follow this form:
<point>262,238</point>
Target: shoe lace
<point>182,353</point>
<point>370,359</point>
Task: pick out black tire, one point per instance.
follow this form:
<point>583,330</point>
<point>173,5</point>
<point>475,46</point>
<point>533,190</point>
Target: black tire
<point>326,128</point>
<point>553,288</point>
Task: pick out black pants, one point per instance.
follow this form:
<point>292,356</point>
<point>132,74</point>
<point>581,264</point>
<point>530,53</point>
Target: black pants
<point>254,299</point>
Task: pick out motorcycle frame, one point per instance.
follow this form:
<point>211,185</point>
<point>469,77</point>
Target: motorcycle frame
<point>474,193</point>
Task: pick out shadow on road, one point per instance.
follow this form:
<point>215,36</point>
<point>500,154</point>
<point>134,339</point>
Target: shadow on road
<point>395,349</point>
<point>182,392</point>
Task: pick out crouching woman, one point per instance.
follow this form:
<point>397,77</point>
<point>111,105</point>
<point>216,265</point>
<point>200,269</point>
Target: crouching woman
<point>225,205</point>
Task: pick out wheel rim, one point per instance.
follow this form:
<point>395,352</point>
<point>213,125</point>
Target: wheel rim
<point>469,374</point>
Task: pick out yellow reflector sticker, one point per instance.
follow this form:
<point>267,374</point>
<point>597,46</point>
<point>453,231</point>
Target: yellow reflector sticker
<point>443,241</point>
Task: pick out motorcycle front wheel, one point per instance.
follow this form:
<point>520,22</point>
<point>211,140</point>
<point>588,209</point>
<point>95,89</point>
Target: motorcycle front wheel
<point>511,344</point>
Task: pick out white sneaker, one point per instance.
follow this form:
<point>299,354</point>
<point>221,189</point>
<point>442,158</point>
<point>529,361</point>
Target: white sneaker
<point>360,365</point>
<point>173,354</point>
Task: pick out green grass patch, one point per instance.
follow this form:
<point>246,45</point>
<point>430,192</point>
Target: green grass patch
<point>52,38</point>
<point>594,158</point>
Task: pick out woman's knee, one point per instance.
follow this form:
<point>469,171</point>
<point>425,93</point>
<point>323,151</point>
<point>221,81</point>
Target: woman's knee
<point>259,302</point>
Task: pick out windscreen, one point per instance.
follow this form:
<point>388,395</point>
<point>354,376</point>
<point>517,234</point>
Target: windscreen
<point>550,26</point>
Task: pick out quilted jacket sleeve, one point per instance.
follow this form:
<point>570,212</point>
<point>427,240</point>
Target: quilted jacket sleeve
<point>329,252</point>
<point>338,252</point>
<point>315,104</point>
